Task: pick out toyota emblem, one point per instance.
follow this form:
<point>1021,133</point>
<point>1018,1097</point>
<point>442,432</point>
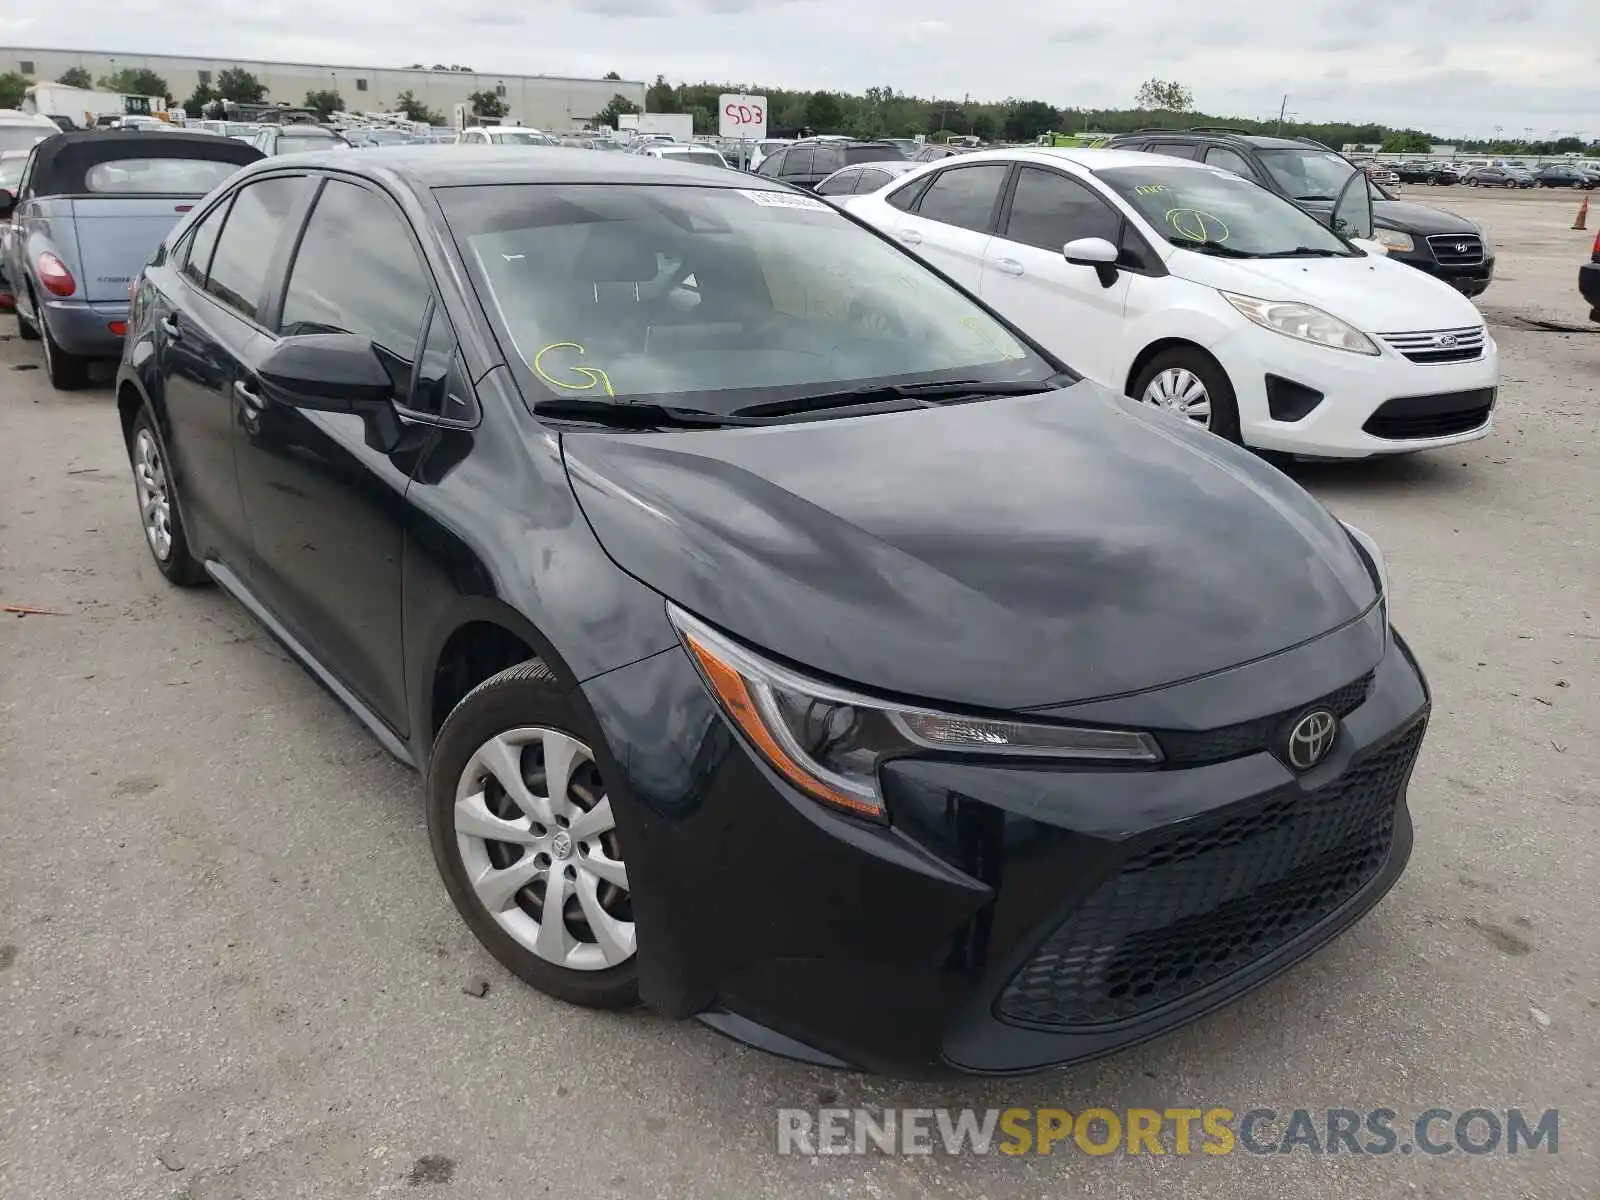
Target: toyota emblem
<point>1311,738</point>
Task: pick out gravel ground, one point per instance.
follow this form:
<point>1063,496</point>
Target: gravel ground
<point>227,968</point>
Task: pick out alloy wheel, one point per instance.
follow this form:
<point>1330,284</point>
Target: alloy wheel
<point>150,483</point>
<point>534,830</point>
<point>1179,390</point>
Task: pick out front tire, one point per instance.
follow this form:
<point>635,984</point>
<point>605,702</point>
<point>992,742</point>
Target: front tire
<point>1189,383</point>
<point>158,508</point>
<point>518,814</point>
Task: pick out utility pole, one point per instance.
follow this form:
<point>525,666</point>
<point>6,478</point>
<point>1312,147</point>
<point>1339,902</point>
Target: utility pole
<point>1282,109</point>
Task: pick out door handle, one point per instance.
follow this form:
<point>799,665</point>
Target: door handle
<point>248,396</point>
<point>1009,265</point>
<point>911,237</point>
<point>170,327</point>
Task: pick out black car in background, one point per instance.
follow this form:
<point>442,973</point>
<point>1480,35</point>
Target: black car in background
<point>1440,243</point>
<point>1430,173</point>
<point>808,162</point>
<point>785,638</point>
<point>1563,175</point>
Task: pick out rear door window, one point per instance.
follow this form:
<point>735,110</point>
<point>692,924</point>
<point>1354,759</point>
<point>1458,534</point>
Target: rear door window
<point>256,223</point>
<point>840,184</point>
<point>965,196</point>
<point>1172,149</point>
<point>798,161</point>
<point>870,180</point>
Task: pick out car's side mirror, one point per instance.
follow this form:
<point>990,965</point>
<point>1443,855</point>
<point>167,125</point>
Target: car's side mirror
<point>332,372</point>
<point>8,202</point>
<point>1093,252</point>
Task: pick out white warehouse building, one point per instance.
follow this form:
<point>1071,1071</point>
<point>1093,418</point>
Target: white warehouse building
<point>540,101</point>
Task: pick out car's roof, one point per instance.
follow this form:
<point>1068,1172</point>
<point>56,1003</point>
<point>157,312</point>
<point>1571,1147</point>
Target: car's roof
<point>1089,160</point>
<point>431,166</point>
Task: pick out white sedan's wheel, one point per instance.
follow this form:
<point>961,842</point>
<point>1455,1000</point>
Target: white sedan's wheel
<point>1179,390</point>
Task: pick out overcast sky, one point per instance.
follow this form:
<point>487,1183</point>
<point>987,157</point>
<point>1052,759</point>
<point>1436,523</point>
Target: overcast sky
<point>1453,66</point>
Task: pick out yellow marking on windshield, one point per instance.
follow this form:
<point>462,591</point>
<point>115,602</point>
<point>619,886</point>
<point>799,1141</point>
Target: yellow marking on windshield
<point>594,375</point>
<point>1149,189</point>
<point>1196,225</point>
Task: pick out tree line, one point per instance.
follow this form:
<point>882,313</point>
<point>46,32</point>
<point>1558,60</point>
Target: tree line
<point>874,113</point>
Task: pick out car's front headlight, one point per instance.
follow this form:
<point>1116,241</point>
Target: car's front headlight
<point>1308,324</point>
<point>828,740</point>
<point>1393,239</point>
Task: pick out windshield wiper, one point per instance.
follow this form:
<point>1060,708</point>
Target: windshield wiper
<point>944,389</point>
<point>635,416</point>
<point>1210,247</point>
<point>1304,252</point>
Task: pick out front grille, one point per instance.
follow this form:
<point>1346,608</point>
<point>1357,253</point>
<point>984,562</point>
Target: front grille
<point>1432,416</point>
<point>1439,345</point>
<point>1213,897</point>
<point>1456,249</point>
<point>1189,748</point>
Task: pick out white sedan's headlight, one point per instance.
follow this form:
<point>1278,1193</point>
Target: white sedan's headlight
<point>828,741</point>
<point>1302,321</point>
<point>1393,239</point>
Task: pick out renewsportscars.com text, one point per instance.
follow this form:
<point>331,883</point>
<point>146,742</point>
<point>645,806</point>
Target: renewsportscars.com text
<point>1177,1131</point>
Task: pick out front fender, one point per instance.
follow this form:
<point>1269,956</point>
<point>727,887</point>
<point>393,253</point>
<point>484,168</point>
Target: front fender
<point>1188,312</point>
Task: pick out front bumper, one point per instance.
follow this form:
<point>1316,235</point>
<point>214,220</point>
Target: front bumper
<point>1470,279</point>
<point>1012,917</point>
<point>84,328</point>
<point>1356,389</point>
<point>1589,287</point>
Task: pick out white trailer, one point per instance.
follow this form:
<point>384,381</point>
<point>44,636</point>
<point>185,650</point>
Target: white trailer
<point>678,126</point>
<point>86,108</point>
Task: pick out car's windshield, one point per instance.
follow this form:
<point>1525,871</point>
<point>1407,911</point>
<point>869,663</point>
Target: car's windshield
<point>1307,174</point>
<point>714,298</point>
<point>22,137</point>
<point>1216,211</point>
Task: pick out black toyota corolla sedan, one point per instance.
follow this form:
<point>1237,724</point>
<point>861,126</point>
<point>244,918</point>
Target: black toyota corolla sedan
<point>785,638</point>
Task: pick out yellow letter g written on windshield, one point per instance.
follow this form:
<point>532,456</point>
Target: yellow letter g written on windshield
<point>591,376</point>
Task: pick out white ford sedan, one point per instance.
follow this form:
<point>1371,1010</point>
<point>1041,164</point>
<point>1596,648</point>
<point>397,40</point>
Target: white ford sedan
<point>1190,288</point>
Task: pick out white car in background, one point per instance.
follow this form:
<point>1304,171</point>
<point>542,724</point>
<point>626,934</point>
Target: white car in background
<point>503,135</point>
<point>1193,290</point>
<point>706,156</point>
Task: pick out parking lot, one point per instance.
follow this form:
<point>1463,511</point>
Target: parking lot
<point>228,969</point>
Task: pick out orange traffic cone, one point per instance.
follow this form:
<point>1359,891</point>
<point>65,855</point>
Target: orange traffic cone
<point>1583,215</point>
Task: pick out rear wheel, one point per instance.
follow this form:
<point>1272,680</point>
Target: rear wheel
<point>1189,383</point>
<point>524,839</point>
<point>158,509</point>
<point>68,372</point>
<point>26,329</point>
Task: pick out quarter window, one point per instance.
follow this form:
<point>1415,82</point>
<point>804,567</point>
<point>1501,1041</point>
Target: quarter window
<point>258,218</point>
<point>1172,149</point>
<point>197,253</point>
<point>356,272</point>
<point>964,196</point>
<point>1049,210</point>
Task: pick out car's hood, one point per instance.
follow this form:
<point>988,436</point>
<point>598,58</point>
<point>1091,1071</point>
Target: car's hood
<point>1404,216</point>
<point>1373,293</point>
<point>1006,554</point>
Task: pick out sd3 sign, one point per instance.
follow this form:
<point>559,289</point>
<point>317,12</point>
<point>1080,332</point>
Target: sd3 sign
<point>743,117</point>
